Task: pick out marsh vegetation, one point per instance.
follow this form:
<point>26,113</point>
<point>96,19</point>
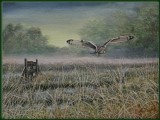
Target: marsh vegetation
<point>82,90</point>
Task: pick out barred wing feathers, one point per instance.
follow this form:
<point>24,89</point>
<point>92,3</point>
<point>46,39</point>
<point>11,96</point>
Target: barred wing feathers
<point>119,39</point>
<point>82,43</point>
<point>89,44</point>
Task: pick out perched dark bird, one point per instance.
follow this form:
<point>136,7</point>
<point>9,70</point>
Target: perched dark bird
<point>100,49</point>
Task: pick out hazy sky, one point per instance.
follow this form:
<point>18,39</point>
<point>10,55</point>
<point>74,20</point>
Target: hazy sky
<point>59,21</point>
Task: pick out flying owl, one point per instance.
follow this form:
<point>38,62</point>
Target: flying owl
<point>100,49</point>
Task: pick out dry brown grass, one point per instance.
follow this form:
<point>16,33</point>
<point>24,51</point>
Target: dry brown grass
<point>82,91</point>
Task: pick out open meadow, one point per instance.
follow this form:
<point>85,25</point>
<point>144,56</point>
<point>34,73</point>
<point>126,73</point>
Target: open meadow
<point>80,88</point>
<point>60,41</point>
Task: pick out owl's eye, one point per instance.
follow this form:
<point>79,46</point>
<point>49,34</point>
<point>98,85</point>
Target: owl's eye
<point>82,40</point>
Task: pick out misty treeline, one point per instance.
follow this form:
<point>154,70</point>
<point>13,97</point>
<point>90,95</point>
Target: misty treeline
<point>142,22</point>
<point>18,39</point>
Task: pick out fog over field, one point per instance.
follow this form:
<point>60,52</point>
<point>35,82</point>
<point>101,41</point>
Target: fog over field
<point>60,21</point>
<point>77,60</point>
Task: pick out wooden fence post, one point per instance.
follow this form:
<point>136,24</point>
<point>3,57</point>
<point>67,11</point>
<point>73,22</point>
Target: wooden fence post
<point>30,68</point>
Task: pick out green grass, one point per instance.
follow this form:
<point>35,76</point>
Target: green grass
<point>82,91</point>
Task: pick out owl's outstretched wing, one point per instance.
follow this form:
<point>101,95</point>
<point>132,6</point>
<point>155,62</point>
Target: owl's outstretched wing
<point>82,43</point>
<point>119,39</point>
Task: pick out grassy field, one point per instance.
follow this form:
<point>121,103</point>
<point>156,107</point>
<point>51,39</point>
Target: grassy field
<point>82,90</point>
